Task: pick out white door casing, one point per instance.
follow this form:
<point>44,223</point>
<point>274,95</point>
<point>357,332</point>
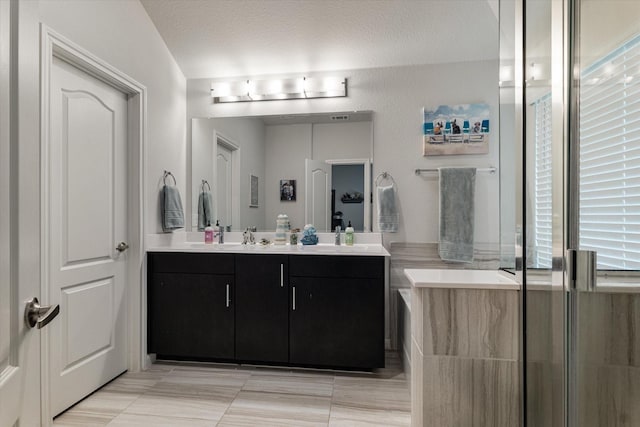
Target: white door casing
<point>318,194</point>
<point>366,163</point>
<point>230,161</point>
<point>19,345</point>
<point>10,370</point>
<point>223,184</point>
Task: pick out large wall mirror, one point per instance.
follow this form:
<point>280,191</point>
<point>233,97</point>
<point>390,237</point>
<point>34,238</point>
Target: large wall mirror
<point>316,168</point>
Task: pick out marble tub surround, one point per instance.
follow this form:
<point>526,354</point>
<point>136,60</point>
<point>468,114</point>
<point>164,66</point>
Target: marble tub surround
<point>404,329</point>
<point>461,279</point>
<point>465,356</point>
<point>190,394</point>
<point>425,255</point>
<point>608,362</point>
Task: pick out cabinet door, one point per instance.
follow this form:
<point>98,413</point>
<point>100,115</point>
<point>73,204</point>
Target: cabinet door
<point>262,317</point>
<point>337,322</point>
<point>191,316</point>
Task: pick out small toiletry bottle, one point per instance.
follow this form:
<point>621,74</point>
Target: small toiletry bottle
<point>348,235</point>
<point>208,233</point>
<point>293,238</point>
<point>281,229</point>
<point>217,229</point>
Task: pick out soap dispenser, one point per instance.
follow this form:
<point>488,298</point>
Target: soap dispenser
<point>348,235</point>
<point>208,233</point>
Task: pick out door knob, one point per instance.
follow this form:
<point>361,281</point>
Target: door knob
<point>35,314</point>
<point>122,246</point>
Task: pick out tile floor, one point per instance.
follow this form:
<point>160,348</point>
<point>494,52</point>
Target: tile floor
<point>191,394</point>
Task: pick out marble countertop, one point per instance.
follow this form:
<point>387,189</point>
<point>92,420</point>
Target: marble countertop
<point>190,242</point>
<point>461,279</point>
<point>320,249</point>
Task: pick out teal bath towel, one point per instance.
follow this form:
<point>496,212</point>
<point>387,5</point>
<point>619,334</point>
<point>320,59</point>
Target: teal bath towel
<point>457,205</point>
<point>171,209</point>
<point>204,210</point>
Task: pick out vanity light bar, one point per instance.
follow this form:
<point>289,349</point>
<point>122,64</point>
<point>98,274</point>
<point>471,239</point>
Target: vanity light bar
<point>269,90</point>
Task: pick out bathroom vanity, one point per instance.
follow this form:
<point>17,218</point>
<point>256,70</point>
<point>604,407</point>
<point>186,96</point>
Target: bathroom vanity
<point>320,306</point>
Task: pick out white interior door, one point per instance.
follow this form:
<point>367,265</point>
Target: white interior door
<point>224,183</point>
<point>87,178</point>
<point>318,194</point>
<point>19,346</point>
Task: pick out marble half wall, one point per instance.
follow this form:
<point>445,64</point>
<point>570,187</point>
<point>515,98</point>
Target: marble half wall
<point>425,255</point>
<point>465,362</point>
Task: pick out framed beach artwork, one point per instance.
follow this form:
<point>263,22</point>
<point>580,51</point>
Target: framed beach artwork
<point>456,129</point>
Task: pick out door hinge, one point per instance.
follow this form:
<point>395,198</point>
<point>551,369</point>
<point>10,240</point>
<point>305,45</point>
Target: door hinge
<point>582,270</point>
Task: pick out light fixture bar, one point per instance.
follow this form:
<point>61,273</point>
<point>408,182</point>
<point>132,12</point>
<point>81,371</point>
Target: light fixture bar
<point>278,89</point>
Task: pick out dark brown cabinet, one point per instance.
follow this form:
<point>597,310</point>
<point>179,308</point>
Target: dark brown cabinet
<point>337,313</point>
<point>191,306</point>
<point>262,318</point>
<point>304,310</point>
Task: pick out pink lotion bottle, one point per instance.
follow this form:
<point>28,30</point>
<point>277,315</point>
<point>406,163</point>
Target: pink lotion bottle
<point>208,234</point>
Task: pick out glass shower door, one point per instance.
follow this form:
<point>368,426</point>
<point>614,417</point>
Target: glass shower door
<point>604,215</point>
<point>544,296</point>
<point>582,213</point>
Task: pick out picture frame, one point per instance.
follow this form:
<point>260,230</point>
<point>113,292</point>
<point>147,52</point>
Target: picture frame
<point>287,190</point>
<point>253,191</point>
<point>456,129</point>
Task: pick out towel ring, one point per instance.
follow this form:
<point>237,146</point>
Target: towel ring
<point>166,174</point>
<point>384,175</point>
<point>204,181</point>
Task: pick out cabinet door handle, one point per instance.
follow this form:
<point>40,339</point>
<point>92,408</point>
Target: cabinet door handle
<point>294,298</point>
<point>282,275</point>
<point>228,300</point>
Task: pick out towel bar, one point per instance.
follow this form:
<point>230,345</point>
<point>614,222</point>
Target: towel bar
<point>384,175</point>
<point>164,178</point>
<point>491,170</point>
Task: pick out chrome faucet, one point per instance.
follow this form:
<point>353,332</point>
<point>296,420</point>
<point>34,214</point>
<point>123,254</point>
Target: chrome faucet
<point>338,235</point>
<point>248,237</point>
<point>220,233</point>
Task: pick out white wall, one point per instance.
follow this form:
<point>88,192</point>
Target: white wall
<point>286,148</point>
<point>121,33</point>
<point>342,140</point>
<point>397,95</point>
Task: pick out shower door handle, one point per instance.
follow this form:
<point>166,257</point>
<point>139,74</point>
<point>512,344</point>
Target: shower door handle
<point>582,270</point>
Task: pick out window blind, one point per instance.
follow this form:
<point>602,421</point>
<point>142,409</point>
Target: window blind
<point>542,184</point>
<point>610,158</point>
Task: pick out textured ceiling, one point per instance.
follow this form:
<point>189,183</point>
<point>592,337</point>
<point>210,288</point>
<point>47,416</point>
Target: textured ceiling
<point>222,38</point>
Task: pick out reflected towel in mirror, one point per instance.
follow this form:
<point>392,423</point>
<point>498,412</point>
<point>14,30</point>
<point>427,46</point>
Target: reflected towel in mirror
<point>387,209</point>
<point>204,210</point>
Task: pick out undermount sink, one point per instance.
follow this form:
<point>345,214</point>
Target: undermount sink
<point>216,246</point>
<point>327,248</point>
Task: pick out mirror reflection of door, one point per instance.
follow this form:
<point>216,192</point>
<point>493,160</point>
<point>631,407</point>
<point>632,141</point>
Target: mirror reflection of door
<point>336,194</point>
<point>224,184</point>
<point>318,194</point>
